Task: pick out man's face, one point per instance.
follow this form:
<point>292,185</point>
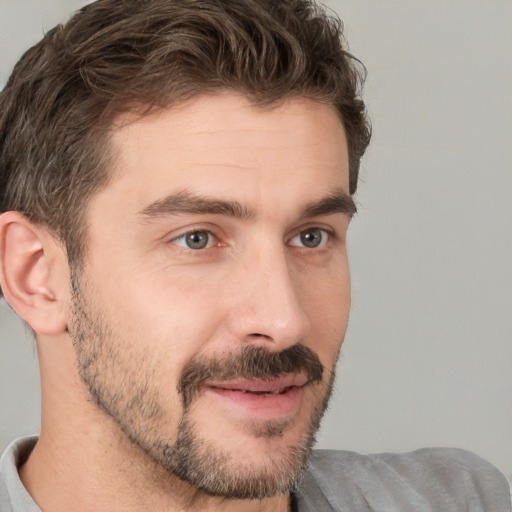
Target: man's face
<point>214,299</point>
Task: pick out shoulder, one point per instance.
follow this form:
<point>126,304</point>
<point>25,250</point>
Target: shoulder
<point>13,495</point>
<point>424,480</point>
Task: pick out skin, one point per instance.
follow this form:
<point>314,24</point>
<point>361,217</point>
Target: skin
<point>161,303</point>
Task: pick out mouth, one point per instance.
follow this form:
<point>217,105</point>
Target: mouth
<point>262,399</point>
<point>264,393</point>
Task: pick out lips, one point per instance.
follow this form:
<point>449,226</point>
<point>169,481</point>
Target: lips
<point>250,370</point>
<point>261,386</point>
<point>263,399</point>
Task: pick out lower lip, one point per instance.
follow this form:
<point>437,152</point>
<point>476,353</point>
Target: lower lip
<point>262,406</point>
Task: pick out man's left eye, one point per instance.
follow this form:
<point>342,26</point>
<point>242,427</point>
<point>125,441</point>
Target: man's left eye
<point>195,240</point>
<point>312,238</point>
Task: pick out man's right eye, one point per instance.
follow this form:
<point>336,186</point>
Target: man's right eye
<point>196,240</point>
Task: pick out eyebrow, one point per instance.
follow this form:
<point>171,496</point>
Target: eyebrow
<point>336,202</point>
<point>185,202</point>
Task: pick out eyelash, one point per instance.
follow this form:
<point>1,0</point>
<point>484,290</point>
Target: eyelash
<point>183,237</point>
<point>327,235</point>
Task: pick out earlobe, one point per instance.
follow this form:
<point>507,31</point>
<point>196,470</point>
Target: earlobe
<point>27,255</point>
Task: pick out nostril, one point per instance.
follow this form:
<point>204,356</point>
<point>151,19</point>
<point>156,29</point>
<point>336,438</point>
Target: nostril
<point>259,335</point>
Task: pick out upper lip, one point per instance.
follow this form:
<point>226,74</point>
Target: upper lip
<point>261,385</point>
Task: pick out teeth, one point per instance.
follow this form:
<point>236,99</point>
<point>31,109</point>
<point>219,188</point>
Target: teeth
<point>265,393</point>
<point>276,392</point>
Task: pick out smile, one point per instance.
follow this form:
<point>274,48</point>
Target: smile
<point>261,399</point>
<point>266,393</point>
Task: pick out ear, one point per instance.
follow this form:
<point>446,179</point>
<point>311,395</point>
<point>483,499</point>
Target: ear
<point>33,269</point>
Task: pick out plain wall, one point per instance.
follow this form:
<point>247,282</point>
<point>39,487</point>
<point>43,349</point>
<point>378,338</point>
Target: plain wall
<point>428,356</point>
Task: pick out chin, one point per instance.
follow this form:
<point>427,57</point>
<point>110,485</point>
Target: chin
<point>250,468</point>
<point>242,458</point>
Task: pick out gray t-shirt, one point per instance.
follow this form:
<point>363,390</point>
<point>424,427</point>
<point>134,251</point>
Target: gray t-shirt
<point>427,480</point>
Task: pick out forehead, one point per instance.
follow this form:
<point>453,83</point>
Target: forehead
<point>225,145</point>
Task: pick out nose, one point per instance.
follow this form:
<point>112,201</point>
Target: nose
<point>267,308</point>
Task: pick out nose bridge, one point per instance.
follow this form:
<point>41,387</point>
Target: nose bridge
<point>270,309</point>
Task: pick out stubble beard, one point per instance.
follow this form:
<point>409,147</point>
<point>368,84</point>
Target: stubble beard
<point>122,386</point>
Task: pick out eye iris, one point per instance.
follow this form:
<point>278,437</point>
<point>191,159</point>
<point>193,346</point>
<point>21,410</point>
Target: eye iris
<point>311,238</point>
<point>197,240</point>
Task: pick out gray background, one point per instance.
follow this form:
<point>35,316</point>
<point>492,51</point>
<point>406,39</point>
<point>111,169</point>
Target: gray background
<point>428,355</point>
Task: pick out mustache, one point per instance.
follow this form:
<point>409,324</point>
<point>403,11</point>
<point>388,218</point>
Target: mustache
<point>250,362</point>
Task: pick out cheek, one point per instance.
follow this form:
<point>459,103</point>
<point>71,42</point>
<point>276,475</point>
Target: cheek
<point>325,290</point>
<point>325,298</point>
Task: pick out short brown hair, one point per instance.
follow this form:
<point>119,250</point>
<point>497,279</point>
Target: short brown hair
<point>66,91</point>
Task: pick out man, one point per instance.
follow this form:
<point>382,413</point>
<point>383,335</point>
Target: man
<point>176,188</point>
